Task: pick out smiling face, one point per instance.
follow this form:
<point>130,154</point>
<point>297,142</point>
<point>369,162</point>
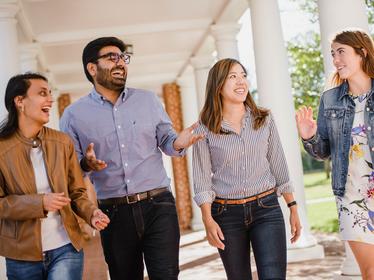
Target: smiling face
<point>107,73</point>
<point>235,88</point>
<point>35,106</point>
<point>346,61</point>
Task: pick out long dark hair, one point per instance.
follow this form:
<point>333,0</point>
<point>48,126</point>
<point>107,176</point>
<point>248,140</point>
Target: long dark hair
<point>17,86</point>
<point>211,114</point>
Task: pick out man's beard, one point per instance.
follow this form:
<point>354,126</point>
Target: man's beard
<point>105,79</point>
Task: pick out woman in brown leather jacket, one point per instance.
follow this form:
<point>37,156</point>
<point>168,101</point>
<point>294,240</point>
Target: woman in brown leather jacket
<point>41,189</point>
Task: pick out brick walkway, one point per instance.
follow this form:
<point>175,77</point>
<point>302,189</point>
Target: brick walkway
<point>200,261</point>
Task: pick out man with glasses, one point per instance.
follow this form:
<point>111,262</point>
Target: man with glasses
<point>118,134</point>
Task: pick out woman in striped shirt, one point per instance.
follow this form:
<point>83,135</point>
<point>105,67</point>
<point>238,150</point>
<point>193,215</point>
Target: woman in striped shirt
<point>239,169</point>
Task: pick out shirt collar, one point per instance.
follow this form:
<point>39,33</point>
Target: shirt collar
<point>345,89</point>
<point>101,99</point>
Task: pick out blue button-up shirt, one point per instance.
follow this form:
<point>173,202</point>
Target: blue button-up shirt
<point>128,136</point>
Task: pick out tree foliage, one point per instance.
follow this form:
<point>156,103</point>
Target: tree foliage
<point>306,67</point>
<point>311,7</point>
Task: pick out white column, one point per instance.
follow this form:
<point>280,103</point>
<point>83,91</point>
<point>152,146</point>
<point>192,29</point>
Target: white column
<point>274,87</point>
<point>190,116</point>
<point>29,54</point>
<point>9,66</point>
<point>225,39</point>
<point>8,50</point>
<point>335,16</point>
<point>201,65</point>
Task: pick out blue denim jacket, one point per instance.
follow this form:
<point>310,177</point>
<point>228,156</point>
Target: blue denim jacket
<point>333,137</point>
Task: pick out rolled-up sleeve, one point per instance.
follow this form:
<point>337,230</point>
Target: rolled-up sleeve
<point>202,171</point>
<point>165,133</point>
<point>277,160</point>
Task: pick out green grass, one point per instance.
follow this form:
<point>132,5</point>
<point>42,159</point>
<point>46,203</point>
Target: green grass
<point>317,186</point>
<point>322,216</point>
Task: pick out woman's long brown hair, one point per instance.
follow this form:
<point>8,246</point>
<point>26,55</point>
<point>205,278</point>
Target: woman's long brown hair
<point>212,112</point>
<point>360,42</point>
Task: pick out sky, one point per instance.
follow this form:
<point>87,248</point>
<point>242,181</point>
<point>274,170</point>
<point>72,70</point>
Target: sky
<point>294,22</point>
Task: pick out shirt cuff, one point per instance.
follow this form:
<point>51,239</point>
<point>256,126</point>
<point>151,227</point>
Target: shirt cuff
<point>204,197</point>
<point>285,188</point>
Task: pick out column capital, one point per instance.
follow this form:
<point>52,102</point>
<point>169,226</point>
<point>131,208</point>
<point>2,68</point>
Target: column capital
<point>225,31</point>
<point>29,51</point>
<point>202,61</point>
<point>8,10</point>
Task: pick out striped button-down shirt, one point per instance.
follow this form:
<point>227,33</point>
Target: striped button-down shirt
<point>128,136</point>
<point>234,166</point>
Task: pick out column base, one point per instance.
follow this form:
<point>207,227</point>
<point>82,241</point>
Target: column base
<point>305,254</point>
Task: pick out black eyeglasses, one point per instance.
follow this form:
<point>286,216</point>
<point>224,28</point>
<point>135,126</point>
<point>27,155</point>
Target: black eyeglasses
<point>115,57</point>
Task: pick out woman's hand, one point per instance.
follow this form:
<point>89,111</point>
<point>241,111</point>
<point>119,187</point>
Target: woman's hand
<point>306,125</point>
<point>99,220</point>
<point>294,224</point>
<point>214,233</point>
<point>54,201</point>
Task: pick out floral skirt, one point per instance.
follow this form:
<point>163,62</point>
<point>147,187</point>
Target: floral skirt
<point>356,213</point>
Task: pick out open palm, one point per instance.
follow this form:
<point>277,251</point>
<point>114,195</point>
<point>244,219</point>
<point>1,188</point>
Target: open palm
<point>306,125</point>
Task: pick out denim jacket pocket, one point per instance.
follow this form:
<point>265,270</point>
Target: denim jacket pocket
<point>334,120</point>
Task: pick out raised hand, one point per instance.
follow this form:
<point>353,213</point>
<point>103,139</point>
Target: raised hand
<point>187,138</point>
<point>92,162</point>
<point>54,201</point>
<point>306,125</point>
<point>99,220</point>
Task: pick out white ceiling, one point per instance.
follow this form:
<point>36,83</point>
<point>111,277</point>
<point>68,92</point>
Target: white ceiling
<point>165,35</point>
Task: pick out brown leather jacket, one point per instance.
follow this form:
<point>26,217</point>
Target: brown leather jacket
<point>21,207</point>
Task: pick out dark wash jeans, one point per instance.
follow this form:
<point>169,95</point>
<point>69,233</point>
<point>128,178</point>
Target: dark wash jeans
<point>150,228</point>
<point>258,223</point>
<point>63,263</point>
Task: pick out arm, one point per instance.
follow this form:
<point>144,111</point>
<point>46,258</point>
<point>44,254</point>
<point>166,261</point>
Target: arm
<point>314,135</point>
<point>277,160</point>
<point>77,189</point>
<point>204,195</point>
<point>295,223</point>
<point>20,207</point>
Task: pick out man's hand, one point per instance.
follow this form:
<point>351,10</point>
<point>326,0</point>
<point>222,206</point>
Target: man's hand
<point>187,138</point>
<point>99,220</point>
<point>54,201</point>
<point>91,161</point>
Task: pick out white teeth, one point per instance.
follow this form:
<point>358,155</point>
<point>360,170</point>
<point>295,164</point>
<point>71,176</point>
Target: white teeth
<point>46,109</point>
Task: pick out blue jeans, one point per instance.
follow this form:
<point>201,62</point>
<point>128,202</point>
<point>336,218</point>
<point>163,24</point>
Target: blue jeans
<point>258,223</point>
<point>63,263</point>
<point>147,228</point>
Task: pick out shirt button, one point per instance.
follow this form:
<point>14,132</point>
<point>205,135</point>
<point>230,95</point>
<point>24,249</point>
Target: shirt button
<point>119,126</point>
<point>367,109</point>
<point>127,181</point>
<point>122,145</point>
<point>126,164</point>
<point>372,149</point>
<point>115,109</point>
<point>333,115</point>
<point>369,128</point>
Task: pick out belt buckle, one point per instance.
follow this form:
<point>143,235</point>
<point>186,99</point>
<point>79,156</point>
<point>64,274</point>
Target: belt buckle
<point>134,201</point>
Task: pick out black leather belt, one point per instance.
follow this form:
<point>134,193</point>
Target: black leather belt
<point>133,198</point>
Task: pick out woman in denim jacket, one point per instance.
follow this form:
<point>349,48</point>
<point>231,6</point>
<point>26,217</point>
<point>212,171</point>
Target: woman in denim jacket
<point>344,131</point>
